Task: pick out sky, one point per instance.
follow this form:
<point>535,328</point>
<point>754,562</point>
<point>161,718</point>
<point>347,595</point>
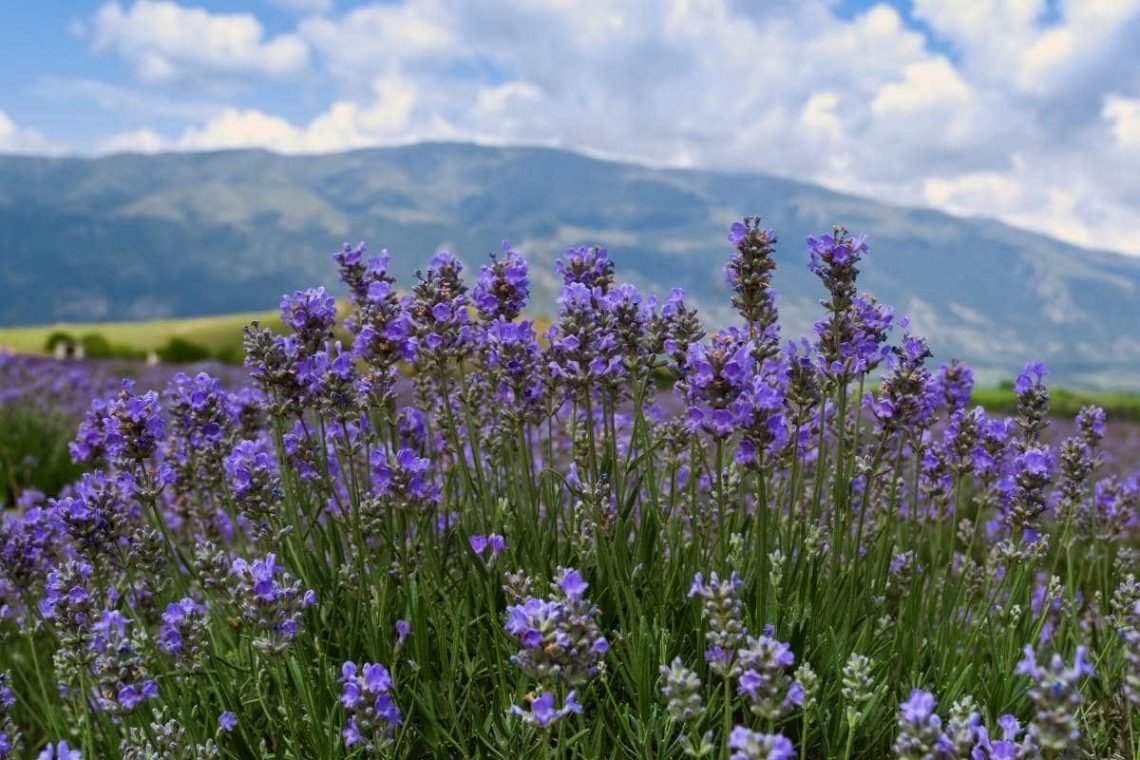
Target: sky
<point>1027,111</point>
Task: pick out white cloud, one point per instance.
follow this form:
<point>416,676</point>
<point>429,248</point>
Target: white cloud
<point>137,141</point>
<point>1124,116</point>
<point>167,42</point>
<point>926,85</point>
<point>1032,115</point>
<point>345,125</point>
<point>374,39</point>
<point>1010,42</point>
<point>16,139</point>
<point>968,194</point>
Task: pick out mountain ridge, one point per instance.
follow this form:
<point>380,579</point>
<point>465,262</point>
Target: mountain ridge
<point>186,234</point>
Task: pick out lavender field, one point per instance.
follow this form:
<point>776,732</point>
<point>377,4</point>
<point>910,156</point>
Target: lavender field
<point>628,536</point>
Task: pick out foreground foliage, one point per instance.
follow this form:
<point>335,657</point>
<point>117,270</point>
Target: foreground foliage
<point>543,555</point>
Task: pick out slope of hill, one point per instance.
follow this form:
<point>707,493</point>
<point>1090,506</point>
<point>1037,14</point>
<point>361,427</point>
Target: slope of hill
<point>133,237</point>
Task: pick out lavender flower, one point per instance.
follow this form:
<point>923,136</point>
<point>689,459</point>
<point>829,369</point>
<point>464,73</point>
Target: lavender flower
<point>122,683</point>
<point>589,267</point>
<point>904,395</point>
<point>682,692</point>
<point>272,362</point>
<point>123,430</point>
<point>716,377</point>
<point>722,612</point>
<point>438,308</point>
<point>164,740</point>
<point>60,751</point>
<point>584,353</point>
<point>184,634</point>
<point>1032,402</point>
<point>559,637</point>
<point>953,384</point>
<point>310,314</point>
<point>481,545</point>
<point>1055,692</point>
<point>10,740</point>
<point>1007,747</point>
<point>402,482</point>
<point>360,273</point>
<point>252,474</point>
<point>268,599</point>
<point>858,687</point>
<point>920,728</point>
<point>1090,424</point>
<point>403,630</point>
<point>542,711</point>
<point>511,361</point>
<point>330,382</point>
<point>366,693</point>
<point>764,663</point>
<point>678,328</point>
<point>751,745</point>
<point>501,291</point>
<point>749,274</point>
<point>382,326</point>
<point>1032,472</point>
<point>227,722</point>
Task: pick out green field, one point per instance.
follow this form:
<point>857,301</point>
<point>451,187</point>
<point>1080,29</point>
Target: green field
<point>219,335</point>
<point>1065,403</point>
<point>222,336</point>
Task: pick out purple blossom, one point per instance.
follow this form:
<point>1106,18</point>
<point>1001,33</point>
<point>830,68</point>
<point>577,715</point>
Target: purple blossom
<point>403,630</point>
<point>559,637</point>
<point>60,751</point>
<point>227,722</point>
<point>269,600</point>
<point>310,314</point>
<point>481,545</point>
<point>920,728</point>
<point>501,291</point>
<point>366,693</point>
<point>752,745</point>
<point>123,429</point>
<point>723,614</point>
<point>542,711</point>
<point>1055,692</point>
<point>764,663</point>
<point>589,267</point>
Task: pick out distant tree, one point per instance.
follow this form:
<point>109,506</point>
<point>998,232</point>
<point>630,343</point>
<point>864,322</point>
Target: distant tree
<point>233,354</point>
<point>56,338</point>
<point>96,346</point>
<point>181,351</point>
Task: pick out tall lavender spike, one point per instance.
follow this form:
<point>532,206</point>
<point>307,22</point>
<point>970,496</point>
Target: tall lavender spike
<point>1055,692</point>
<point>749,274</point>
<point>752,745</point>
<point>10,740</point>
<point>722,612</point>
<point>559,637</point>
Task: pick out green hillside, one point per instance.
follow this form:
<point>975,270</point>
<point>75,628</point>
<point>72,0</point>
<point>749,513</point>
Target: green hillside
<point>219,335</point>
<point>130,237</point>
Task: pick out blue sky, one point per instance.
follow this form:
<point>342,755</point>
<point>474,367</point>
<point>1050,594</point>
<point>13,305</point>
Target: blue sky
<point>1023,110</point>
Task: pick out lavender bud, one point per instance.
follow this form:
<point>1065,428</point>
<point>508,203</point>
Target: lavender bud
<point>682,692</point>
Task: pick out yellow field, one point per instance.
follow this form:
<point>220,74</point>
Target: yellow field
<point>213,333</point>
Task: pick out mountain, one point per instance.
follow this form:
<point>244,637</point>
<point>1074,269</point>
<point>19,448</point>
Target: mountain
<point>133,237</point>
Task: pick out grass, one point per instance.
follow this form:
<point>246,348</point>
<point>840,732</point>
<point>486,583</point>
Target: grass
<point>33,453</point>
<point>1064,403</point>
<point>219,334</point>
